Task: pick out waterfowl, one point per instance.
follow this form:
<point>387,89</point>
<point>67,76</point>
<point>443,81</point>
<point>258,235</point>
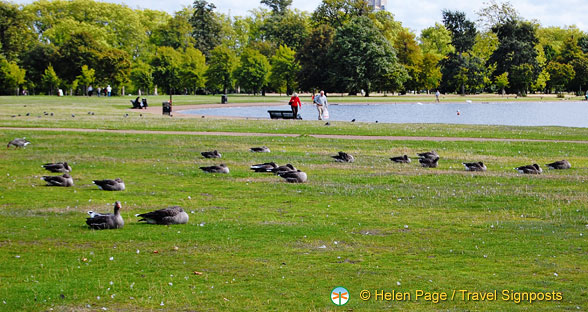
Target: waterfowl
<point>429,162</point>
<point>98,221</point>
<point>18,142</point>
<point>283,169</point>
<point>263,149</point>
<point>57,167</point>
<point>65,180</point>
<point>171,215</point>
<point>265,167</point>
<point>401,159</point>
<point>560,164</point>
<point>475,166</point>
<point>344,157</point>
<point>222,168</point>
<point>110,185</point>
<point>294,176</point>
<point>529,169</point>
<point>431,154</point>
<point>213,154</point>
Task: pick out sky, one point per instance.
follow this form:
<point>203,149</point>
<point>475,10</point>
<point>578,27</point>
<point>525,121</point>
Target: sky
<point>416,15</point>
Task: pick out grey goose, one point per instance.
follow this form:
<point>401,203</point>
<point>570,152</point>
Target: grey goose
<point>263,149</point>
<point>110,185</point>
<point>560,164</point>
<point>64,180</point>
<point>99,221</point>
<point>475,166</point>
<point>344,157</point>
<point>529,169</point>
<point>222,168</point>
<point>431,154</point>
<point>283,169</point>
<point>57,167</point>
<point>429,162</point>
<point>18,142</point>
<point>294,176</point>
<point>265,167</point>
<point>213,154</point>
<point>401,159</point>
<point>171,215</point>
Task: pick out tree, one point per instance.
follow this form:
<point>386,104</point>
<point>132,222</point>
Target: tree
<point>314,59</point>
<point>176,33</point>
<point>463,37</point>
<point>253,71</point>
<point>560,75</point>
<point>365,59</point>
<point>287,28</point>
<point>436,40</point>
<point>166,66</point>
<point>221,65</point>
<point>86,78</point>
<point>11,77</point>
<point>50,79</point>
<point>410,56</point>
<point>501,82</point>
<point>277,6</point>
<point>429,73</point>
<point>206,27</point>
<point>496,14</point>
<point>284,69</point>
<point>336,13</point>
<point>114,68</point>
<point>193,70</point>
<point>142,77</point>
<point>16,35</point>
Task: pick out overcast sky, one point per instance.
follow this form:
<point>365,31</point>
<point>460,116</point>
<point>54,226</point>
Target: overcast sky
<point>415,15</point>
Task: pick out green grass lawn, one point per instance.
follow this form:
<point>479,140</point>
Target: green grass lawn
<point>262,244</point>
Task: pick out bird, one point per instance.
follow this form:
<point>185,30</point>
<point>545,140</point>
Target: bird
<point>73,115</point>
<point>353,120</point>
<point>65,180</point>
<point>110,185</point>
<point>327,123</point>
<point>170,215</point>
<point>529,169</point>
<point>560,164</point>
<point>57,167</point>
<point>429,162</point>
<point>431,154</point>
<point>294,176</point>
<point>99,221</point>
<point>265,167</point>
<point>282,169</point>
<point>344,157</point>
<point>401,159</point>
<point>18,142</point>
<point>222,168</point>
<point>263,149</point>
<point>475,166</point>
<point>213,154</point>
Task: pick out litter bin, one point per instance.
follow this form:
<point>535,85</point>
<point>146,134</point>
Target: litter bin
<point>224,99</point>
<point>167,108</point>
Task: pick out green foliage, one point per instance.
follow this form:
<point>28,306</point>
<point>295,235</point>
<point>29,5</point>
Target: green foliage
<point>337,13</point>
<point>501,81</point>
<point>436,40</point>
<point>410,57</point>
<point>221,65</point>
<point>284,70</point>
<point>389,27</point>
<point>86,78</point>
<point>497,13</point>
<point>16,35</point>
<point>193,70</point>
<point>114,68</point>
<point>176,33</point>
<point>206,26</point>
<point>142,77</point>
<point>277,6</point>
<point>253,71</point>
<point>560,75</point>
<point>50,80</point>
<point>430,72</point>
<point>11,77</point>
<point>365,59</point>
<point>289,28</point>
<point>314,59</point>
<point>463,31</point>
<point>166,65</point>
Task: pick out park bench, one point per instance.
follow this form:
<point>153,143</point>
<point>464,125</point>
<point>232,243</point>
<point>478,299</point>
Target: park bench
<point>282,114</point>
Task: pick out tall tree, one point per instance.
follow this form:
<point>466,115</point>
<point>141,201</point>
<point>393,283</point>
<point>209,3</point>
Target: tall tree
<point>436,40</point>
<point>253,71</point>
<point>288,28</point>
<point>411,57</point>
<point>193,70</point>
<point>284,69</point>
<point>560,75</point>
<point>314,59</point>
<point>142,77</point>
<point>221,65</point>
<point>50,79</point>
<point>176,33</point>
<point>206,27</point>
<point>166,66</point>
<point>16,35</point>
<point>86,78</point>
<point>336,13</point>
<point>463,37</point>
<point>365,59</point>
<point>12,77</point>
<point>277,6</point>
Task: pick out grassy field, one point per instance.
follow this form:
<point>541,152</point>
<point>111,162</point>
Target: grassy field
<point>256,243</point>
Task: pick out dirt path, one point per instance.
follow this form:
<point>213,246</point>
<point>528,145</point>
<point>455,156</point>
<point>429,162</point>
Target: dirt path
<point>320,136</point>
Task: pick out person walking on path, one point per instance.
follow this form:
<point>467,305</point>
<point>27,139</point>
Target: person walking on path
<point>295,104</point>
<point>437,94</point>
<point>320,100</point>
<point>109,90</point>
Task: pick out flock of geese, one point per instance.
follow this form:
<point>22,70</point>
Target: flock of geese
<point>176,215</point>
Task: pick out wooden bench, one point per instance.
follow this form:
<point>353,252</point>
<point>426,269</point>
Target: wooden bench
<point>282,114</point>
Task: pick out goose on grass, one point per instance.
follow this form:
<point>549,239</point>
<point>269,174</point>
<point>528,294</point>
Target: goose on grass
<point>99,221</point>
<point>212,154</point>
<point>401,159</point>
<point>58,167</point>
<point>294,176</point>
<point>110,185</point>
<point>18,142</point>
<point>166,216</point>
<point>529,169</point>
<point>344,157</point>
<point>475,166</point>
<point>64,180</point>
<point>560,164</point>
<point>222,168</point>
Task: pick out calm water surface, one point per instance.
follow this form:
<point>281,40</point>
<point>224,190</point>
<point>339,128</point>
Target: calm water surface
<point>569,114</point>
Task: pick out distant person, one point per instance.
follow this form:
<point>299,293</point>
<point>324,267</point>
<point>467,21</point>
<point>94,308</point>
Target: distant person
<point>99,90</point>
<point>90,90</point>
<point>109,90</point>
<point>437,94</point>
<point>295,104</point>
<point>320,100</point>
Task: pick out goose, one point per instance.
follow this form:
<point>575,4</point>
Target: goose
<point>431,154</point>
<point>171,215</point>
<point>560,164</point>
<point>99,221</point>
<point>401,159</point>
<point>65,180</point>
<point>110,185</point>
<point>265,167</point>
<point>213,154</point>
<point>294,176</point>
<point>18,142</point>
<point>529,169</point>
<point>263,149</point>
<point>222,168</point>
<point>475,166</point>
<point>429,162</point>
<point>283,169</point>
<point>57,167</point>
<point>344,157</point>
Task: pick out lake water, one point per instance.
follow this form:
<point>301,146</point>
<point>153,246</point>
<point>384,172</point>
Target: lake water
<point>561,113</point>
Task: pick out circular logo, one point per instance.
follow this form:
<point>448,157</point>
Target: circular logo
<point>339,296</point>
